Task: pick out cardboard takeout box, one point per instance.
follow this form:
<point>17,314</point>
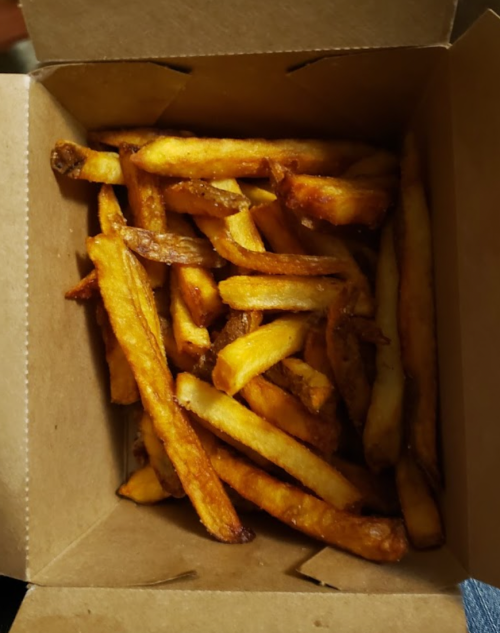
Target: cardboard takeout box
<point>344,69</point>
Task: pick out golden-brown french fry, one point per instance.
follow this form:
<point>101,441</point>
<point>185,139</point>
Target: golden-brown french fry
<point>245,158</point>
<point>378,491</point>
<point>309,385</point>
<point>135,136</point>
<point>236,420</point>
<point>131,307</point>
<point>256,195</point>
<point>83,163</point>
<point>337,200</point>
<point>198,197</point>
<point>143,487</point>
<point>238,324</point>
<point>159,459</point>
<point>170,248</point>
<point>345,358</point>
<point>110,214</point>
<point>252,354</point>
<point>374,538</point>
<point>273,224</point>
<point>297,294</point>
<point>289,414</point>
<point>269,263</point>
<point>180,360</point>
<point>381,163</point>
<point>86,288</point>
<point>416,313</point>
<point>420,511</point>
<point>122,383</point>
<point>190,338</point>
<point>315,353</point>
<point>383,430</point>
<point>146,203</point>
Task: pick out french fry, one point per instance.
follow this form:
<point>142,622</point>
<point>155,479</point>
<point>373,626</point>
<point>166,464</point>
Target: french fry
<point>312,387</point>
<point>345,358</point>
<point>256,195</point>
<point>110,214</point>
<point>339,201</point>
<point>381,163</point>
<point>190,338</point>
<point>245,158</point>
<point>122,383</point>
<point>197,197</point>
<point>159,459</point>
<point>143,487</point>
<point>170,248</point>
<point>273,224</point>
<point>82,163</point>
<point>289,414</point>
<point>373,538</point>
<point>130,304</point>
<point>86,288</point>
<point>238,324</point>
<point>279,293</point>
<point>197,285</point>
<point>416,313</point>
<point>252,354</point>
<point>181,360</point>
<point>383,430</point>
<point>315,353</point>
<point>233,418</point>
<point>269,263</point>
<point>420,511</point>
<point>146,203</point>
<point>368,331</point>
<point>135,136</point>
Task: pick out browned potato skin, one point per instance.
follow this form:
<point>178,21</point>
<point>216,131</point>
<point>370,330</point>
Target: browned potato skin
<point>143,487</point>
<point>315,353</point>
<point>336,200</point>
<point>368,331</point>
<point>83,163</point>
<point>86,288</point>
<point>273,224</point>
<point>373,538</point>
<point>311,386</point>
<point>197,197</point>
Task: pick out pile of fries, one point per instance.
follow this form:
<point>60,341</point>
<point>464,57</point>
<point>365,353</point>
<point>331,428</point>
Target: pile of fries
<point>269,306</point>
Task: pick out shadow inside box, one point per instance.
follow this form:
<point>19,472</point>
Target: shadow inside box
<point>11,595</point>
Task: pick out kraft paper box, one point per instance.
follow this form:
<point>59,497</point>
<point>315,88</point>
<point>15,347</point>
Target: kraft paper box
<point>338,69</point>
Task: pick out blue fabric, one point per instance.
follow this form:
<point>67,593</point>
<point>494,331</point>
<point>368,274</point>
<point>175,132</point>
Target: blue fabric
<point>482,607</point>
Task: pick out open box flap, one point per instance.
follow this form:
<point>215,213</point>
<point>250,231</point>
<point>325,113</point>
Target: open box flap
<point>14,99</point>
<point>126,29</point>
<point>58,610</point>
<point>475,59</point>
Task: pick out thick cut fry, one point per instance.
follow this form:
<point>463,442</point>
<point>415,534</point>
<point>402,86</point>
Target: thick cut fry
<point>329,245</point>
<point>382,163</point>
<point>269,263</point>
<point>136,136</point>
<point>420,511</point>
<point>159,459</point>
<point>345,358</point>
<point>131,307</point>
<point>122,383</point>
<point>296,294</point>
<point>252,354</point>
<point>315,353</point>
<point>256,195</point>
<point>170,248</point>
<point>416,313</point>
<point>82,163</point>
<point>190,338</point>
<point>383,430</point>
<point>143,487</point>
<point>148,212</point>
<point>238,324</point>
<point>233,418</point>
<point>309,385</point>
<point>110,214</point>
<point>377,539</point>
<point>197,197</point>
<point>274,226</point>
<point>86,288</point>
<point>337,200</point>
<point>180,360</point>
<point>245,158</point>
<point>289,414</point>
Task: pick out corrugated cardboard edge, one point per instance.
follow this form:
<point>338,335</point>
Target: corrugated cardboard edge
<point>14,448</point>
